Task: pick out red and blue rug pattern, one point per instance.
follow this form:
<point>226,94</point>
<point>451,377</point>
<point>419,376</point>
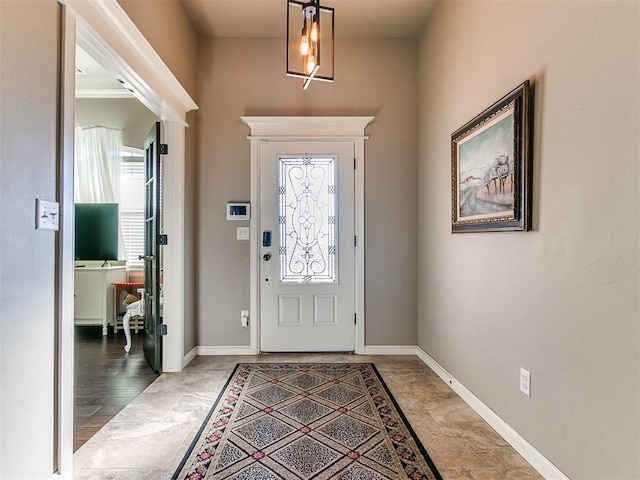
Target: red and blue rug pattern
<point>306,421</point>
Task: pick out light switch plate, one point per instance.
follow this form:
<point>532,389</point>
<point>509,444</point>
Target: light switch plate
<point>242,233</point>
<point>47,215</point>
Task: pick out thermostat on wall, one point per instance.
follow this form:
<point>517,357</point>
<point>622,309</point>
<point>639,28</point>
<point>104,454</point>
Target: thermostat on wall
<point>238,211</point>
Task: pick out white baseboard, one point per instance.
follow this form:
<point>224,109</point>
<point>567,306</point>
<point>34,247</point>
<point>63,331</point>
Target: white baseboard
<point>204,350</point>
<point>186,360</point>
<point>538,461</point>
<point>389,350</point>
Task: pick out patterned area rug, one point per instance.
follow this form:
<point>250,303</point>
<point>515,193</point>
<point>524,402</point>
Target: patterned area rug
<point>303,421</point>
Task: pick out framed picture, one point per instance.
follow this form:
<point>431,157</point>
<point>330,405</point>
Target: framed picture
<point>491,167</point>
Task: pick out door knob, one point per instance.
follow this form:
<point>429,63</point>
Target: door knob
<point>266,257</point>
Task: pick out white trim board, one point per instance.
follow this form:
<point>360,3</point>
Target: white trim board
<point>110,36</point>
<point>389,350</point>
<point>104,93</point>
<point>538,461</point>
<point>186,360</point>
<point>224,350</point>
<point>64,364</point>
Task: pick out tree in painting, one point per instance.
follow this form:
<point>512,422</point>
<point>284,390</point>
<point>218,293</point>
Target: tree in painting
<point>486,170</point>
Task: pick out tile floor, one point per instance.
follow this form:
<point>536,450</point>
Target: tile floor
<point>149,437</point>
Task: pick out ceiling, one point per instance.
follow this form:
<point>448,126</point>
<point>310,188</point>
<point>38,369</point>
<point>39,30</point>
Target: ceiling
<point>267,18</point>
<point>93,81</point>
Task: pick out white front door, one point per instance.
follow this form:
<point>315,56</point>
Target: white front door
<point>307,253</point>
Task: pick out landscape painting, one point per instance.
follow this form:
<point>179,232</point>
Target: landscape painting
<point>490,169</point>
<point>485,171</point>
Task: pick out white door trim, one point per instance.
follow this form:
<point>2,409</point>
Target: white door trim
<point>110,36</point>
<point>104,30</point>
<point>107,33</point>
<point>301,129</point>
<point>65,278</point>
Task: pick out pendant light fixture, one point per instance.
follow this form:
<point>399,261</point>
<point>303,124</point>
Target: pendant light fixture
<point>310,33</point>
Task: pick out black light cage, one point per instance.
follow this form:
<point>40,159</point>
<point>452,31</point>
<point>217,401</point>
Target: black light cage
<point>326,23</point>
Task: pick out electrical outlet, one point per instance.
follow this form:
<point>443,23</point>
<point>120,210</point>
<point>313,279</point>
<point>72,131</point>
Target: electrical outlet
<point>525,382</point>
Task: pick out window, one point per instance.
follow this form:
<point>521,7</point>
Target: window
<point>132,206</point>
<point>307,219</point>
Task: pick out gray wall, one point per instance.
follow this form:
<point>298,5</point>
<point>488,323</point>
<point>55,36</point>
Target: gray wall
<point>126,113</point>
<point>28,146</point>
<point>167,28</point>
<point>246,77</point>
<point>29,57</point>
<point>562,300</point>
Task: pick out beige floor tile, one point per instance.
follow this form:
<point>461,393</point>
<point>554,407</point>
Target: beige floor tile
<point>150,436</point>
<point>140,446</point>
<point>507,474</point>
<point>148,407</point>
<point>122,474</point>
<point>457,474</point>
<point>453,411</point>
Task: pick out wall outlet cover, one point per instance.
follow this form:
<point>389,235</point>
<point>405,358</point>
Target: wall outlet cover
<point>525,382</point>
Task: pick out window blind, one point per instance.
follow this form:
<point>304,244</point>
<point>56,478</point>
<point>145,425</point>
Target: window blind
<point>132,209</point>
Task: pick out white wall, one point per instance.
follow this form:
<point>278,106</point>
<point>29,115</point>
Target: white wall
<point>562,300</point>
<point>28,146</point>
<point>128,114</point>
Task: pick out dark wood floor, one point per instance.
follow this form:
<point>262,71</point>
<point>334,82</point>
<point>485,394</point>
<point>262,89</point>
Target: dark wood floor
<point>106,378</point>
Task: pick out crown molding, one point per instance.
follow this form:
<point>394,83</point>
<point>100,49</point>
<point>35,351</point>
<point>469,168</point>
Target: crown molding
<point>104,93</point>
<point>106,32</point>
<point>311,127</point>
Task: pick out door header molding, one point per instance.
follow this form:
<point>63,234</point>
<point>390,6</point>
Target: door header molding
<point>307,127</point>
<point>106,32</point>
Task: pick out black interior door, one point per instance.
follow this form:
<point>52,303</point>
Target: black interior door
<point>152,341</point>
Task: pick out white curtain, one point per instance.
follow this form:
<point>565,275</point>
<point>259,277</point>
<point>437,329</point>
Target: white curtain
<point>98,159</point>
<point>97,169</point>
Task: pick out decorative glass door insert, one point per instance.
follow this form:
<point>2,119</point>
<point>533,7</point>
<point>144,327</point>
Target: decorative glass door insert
<point>307,219</point>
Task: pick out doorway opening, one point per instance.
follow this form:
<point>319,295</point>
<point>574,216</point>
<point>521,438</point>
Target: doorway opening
<point>110,369</point>
<point>101,28</point>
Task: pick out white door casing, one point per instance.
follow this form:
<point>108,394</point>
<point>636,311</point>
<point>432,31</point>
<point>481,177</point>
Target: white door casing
<point>307,273</point>
<point>269,130</point>
<point>103,29</point>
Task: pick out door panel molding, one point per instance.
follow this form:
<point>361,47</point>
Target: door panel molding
<point>286,305</point>
<point>306,129</point>
<point>323,305</point>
